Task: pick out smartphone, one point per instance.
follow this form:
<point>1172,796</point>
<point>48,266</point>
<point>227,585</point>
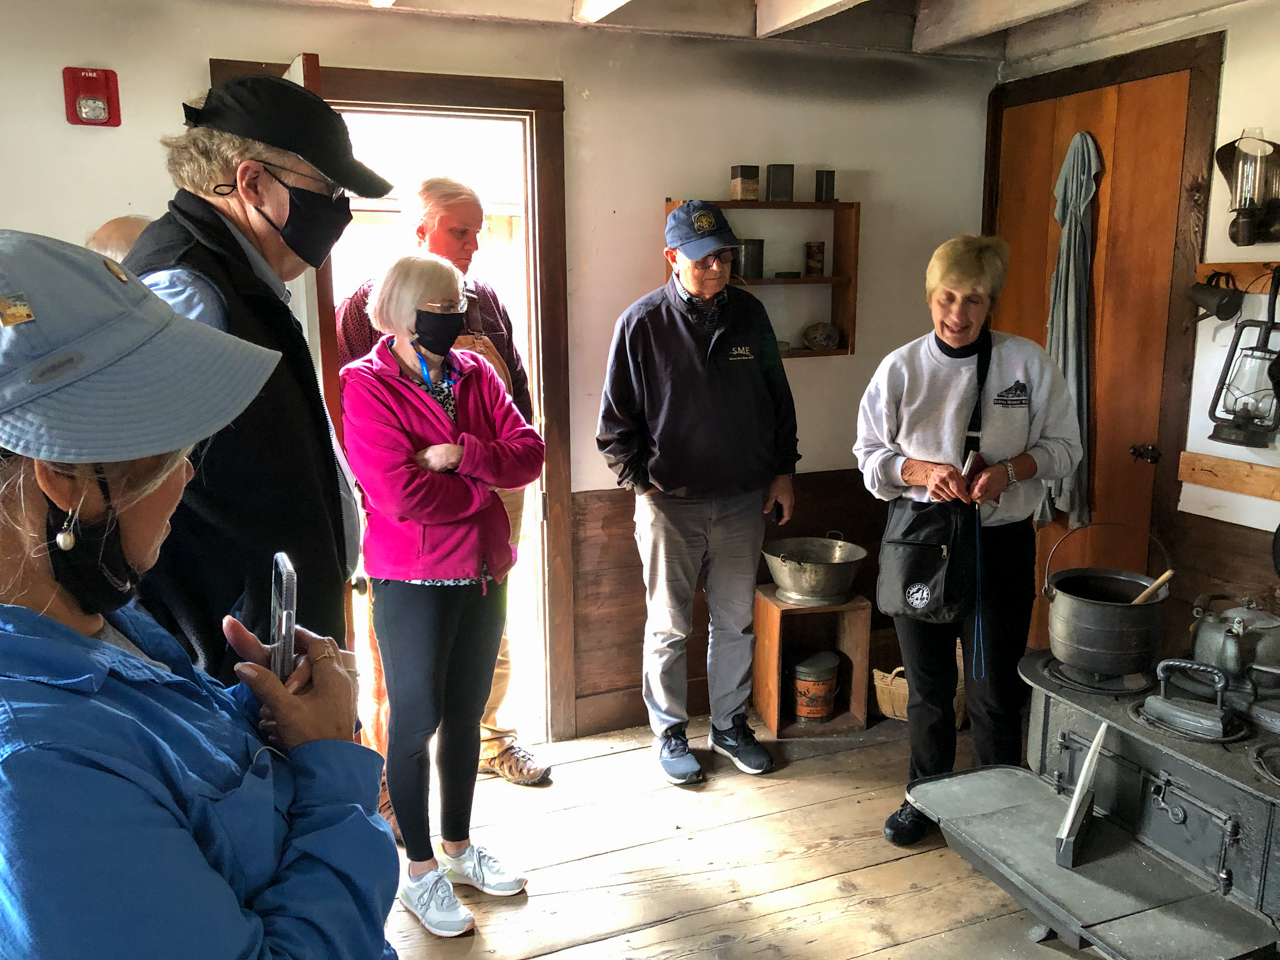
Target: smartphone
<point>284,612</point>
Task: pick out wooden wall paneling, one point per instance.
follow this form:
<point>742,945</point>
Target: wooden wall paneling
<point>1134,316</point>
<point>1236,476</point>
<point>1026,177</point>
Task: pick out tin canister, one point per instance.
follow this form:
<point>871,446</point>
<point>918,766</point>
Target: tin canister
<point>814,679</point>
<point>815,255</point>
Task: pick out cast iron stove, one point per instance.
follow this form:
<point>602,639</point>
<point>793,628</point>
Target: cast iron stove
<point>1181,858</point>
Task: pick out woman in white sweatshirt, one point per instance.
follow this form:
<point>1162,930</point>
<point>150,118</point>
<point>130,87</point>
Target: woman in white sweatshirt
<point>911,434</point>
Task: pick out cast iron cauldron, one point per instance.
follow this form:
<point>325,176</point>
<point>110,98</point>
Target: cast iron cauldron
<point>814,571</point>
<point>1093,624</point>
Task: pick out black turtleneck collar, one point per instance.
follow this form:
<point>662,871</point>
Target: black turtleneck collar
<point>968,350</point>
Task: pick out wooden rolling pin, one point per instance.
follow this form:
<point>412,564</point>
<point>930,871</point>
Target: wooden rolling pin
<point>1146,594</point>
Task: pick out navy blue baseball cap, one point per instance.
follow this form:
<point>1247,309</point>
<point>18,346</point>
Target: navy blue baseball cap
<point>697,228</point>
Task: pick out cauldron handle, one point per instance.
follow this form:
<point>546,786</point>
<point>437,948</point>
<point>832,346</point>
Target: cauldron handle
<point>785,558</point>
<point>839,535</point>
<point>1049,592</point>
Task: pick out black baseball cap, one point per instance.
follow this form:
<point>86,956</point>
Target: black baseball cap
<point>282,114</point>
<point>697,228</point>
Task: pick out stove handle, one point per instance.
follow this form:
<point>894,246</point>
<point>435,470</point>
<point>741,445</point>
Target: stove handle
<point>1166,667</point>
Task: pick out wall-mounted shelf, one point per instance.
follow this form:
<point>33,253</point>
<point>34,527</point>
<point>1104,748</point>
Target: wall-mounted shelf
<point>1250,277</point>
<point>843,281</point>
<point>1235,476</point>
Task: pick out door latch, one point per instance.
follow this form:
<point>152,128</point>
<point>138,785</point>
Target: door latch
<point>1145,451</point>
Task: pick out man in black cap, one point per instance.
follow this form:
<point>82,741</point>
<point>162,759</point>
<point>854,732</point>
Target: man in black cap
<point>697,419</point>
<point>262,174</point>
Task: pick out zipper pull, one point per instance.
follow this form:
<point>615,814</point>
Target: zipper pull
<point>944,551</point>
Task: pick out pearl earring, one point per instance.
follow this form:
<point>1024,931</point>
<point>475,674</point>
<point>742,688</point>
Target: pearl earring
<point>66,540</point>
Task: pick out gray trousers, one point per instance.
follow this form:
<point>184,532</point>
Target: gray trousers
<point>677,537</point>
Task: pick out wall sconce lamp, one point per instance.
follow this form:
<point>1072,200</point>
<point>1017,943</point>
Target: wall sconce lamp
<point>1251,166</point>
<point>1245,410</point>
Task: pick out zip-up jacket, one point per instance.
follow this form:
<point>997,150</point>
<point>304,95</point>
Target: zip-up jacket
<point>692,410</point>
<point>266,483</point>
<point>435,526</point>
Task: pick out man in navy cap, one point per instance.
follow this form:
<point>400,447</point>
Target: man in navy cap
<point>262,172</point>
<point>697,419</point>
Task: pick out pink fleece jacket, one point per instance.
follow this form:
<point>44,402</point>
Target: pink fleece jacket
<point>434,526</point>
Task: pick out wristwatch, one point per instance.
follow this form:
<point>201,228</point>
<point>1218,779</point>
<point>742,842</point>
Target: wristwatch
<point>1013,477</point>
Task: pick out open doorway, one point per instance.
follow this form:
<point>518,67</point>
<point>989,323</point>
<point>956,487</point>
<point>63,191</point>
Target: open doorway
<point>490,154</point>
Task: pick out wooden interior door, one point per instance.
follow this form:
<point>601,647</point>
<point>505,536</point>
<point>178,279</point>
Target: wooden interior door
<point>1139,127</point>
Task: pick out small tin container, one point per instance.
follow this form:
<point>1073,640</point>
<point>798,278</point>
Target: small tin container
<point>780,181</point>
<point>749,260</point>
<point>815,255</point>
<point>744,182</point>
<point>814,679</point>
<point>824,186</point>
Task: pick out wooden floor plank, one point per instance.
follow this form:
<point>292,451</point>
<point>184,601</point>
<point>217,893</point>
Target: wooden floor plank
<point>1002,938</point>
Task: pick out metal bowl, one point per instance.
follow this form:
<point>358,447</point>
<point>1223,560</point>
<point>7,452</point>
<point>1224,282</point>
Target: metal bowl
<point>814,571</point>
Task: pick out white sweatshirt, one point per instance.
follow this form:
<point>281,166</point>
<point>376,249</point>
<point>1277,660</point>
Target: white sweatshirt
<point>918,404</point>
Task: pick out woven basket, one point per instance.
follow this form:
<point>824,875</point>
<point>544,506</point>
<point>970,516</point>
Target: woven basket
<point>891,692</point>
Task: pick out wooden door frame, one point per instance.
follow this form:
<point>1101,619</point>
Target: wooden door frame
<point>542,101</point>
<point>1202,56</point>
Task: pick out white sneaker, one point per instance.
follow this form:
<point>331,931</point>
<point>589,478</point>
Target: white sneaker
<point>477,867</point>
<point>430,898</point>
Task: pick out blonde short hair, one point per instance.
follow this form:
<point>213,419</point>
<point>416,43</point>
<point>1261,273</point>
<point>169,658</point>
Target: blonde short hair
<point>436,196</point>
<point>201,158</point>
<point>967,262</point>
<point>416,279</point>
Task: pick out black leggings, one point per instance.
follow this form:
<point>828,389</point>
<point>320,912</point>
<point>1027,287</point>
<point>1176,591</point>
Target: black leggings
<point>438,647</point>
<point>929,656</point>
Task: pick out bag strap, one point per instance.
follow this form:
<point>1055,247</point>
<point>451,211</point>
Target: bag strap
<point>973,435</point>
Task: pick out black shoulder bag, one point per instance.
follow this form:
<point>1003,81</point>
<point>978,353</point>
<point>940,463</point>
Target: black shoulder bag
<point>928,556</point>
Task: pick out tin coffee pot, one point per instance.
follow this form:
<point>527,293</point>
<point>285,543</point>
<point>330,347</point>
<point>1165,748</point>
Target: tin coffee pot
<point>1237,638</point>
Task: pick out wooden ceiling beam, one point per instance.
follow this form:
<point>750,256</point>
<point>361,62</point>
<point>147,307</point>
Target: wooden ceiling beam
<point>1100,20</point>
<point>778,16</point>
<point>944,23</point>
<point>593,11</point>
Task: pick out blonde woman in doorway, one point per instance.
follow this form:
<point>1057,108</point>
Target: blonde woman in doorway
<point>447,220</point>
<point>432,435</point>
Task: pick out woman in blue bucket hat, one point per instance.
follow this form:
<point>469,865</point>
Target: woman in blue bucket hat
<point>145,810</point>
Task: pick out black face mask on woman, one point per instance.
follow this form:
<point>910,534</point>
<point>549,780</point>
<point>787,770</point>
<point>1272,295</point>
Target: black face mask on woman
<point>315,223</point>
<point>88,559</point>
<point>435,332</point>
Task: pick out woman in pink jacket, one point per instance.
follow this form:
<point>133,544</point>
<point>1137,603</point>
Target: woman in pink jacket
<point>431,434</point>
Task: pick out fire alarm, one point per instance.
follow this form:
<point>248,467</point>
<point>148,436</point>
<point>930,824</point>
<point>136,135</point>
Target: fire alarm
<point>92,96</point>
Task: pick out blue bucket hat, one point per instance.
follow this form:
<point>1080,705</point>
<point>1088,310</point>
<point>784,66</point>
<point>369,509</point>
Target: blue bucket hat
<point>697,228</point>
<point>95,368</point>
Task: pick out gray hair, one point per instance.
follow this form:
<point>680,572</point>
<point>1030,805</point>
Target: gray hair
<point>437,195</point>
<point>411,281</point>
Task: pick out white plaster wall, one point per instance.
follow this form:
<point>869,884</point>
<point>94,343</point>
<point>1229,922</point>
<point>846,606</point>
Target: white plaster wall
<point>646,117</point>
<point>1250,97</point>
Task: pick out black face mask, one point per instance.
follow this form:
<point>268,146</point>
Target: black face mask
<point>315,223</point>
<point>90,563</point>
<point>435,332</point>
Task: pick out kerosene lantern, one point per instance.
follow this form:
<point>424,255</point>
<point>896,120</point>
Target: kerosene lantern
<point>1251,166</point>
<point>1245,410</point>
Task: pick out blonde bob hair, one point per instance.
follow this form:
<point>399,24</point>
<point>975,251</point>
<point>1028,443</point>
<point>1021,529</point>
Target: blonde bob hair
<point>201,158</point>
<point>968,263</point>
<point>412,281</point>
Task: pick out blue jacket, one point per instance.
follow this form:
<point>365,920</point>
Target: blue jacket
<point>142,817</point>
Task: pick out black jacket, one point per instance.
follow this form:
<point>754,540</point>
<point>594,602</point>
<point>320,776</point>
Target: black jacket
<point>692,411</point>
<point>267,482</point>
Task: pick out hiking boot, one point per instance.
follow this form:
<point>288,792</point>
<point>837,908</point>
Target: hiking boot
<point>515,764</point>
<point>739,744</point>
<point>679,766</point>
<point>906,826</point>
<point>389,815</point>
<point>477,867</point>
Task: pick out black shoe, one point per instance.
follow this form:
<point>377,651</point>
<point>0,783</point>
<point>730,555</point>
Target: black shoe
<point>679,765</point>
<point>739,744</point>
<point>906,825</point>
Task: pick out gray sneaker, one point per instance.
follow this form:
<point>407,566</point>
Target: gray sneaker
<point>430,898</point>
<point>679,765</point>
